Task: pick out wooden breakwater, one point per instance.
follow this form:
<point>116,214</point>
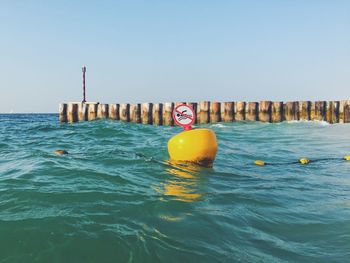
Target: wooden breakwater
<point>209,112</point>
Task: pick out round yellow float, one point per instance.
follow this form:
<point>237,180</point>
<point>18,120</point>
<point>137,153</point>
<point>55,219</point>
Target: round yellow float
<point>259,163</point>
<point>196,146</point>
<point>304,161</point>
<point>60,152</point>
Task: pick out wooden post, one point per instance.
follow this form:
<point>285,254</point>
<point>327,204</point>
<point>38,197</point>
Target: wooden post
<point>82,111</point>
<point>227,111</point>
<point>341,111</point>
<point>291,111</point>
<point>347,111</point>
<point>92,111</point>
<point>135,113</point>
<point>265,111</point>
<point>204,114</point>
<point>193,105</point>
<point>62,112</point>
<point>304,110</point>
<point>312,111</point>
<point>320,110</point>
<point>296,110</point>
<point>215,114</point>
<point>277,111</point>
<point>167,114</point>
<point>240,111</point>
<point>251,111</point>
<point>157,114</point>
<point>332,111</point>
<point>124,111</point>
<point>146,113</point>
<point>198,113</point>
<point>113,111</point>
<point>72,112</point>
<point>102,111</point>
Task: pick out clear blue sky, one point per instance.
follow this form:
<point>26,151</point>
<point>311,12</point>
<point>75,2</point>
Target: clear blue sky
<point>180,50</point>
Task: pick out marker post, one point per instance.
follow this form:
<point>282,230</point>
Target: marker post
<point>84,70</point>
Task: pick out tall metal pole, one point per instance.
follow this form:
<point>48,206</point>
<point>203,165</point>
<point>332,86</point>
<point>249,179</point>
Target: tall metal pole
<point>84,70</point>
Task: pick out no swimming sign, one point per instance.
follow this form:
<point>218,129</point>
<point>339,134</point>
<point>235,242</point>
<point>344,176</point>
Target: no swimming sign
<point>184,116</point>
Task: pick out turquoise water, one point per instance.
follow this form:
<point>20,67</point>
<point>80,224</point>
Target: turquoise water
<point>112,199</point>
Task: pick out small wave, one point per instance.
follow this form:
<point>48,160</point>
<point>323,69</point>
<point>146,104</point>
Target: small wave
<point>317,122</point>
<point>293,121</point>
<point>322,123</point>
<point>3,145</point>
<point>218,125</point>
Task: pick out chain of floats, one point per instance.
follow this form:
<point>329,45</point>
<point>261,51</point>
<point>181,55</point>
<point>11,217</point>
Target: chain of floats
<point>302,161</point>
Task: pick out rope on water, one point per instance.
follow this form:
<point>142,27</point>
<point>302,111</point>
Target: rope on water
<point>302,161</point>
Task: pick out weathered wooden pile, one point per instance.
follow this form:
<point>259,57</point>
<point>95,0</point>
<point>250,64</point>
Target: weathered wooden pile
<point>209,112</point>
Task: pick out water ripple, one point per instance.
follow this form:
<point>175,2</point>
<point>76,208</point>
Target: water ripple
<point>115,198</point>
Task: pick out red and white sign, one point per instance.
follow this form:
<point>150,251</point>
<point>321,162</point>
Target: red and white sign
<point>184,116</point>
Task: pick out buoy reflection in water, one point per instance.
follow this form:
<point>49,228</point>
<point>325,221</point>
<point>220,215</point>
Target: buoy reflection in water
<point>184,183</point>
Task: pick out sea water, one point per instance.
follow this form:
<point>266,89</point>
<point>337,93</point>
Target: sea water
<point>115,198</point>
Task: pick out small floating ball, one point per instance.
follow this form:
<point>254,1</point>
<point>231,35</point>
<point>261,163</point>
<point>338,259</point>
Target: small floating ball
<point>304,161</point>
<point>60,152</point>
<point>259,163</point>
<point>347,158</point>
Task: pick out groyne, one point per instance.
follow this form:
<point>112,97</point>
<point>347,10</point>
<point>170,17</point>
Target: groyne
<point>209,112</point>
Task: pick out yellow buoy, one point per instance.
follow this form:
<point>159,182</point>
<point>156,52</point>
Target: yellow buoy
<point>259,162</point>
<point>197,146</point>
<point>347,157</point>
<point>304,161</point>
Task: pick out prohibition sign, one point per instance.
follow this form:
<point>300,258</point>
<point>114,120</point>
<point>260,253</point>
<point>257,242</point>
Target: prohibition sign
<point>184,116</point>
